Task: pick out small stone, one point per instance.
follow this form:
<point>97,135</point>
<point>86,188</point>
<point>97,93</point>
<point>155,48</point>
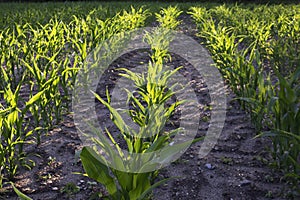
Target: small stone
<point>55,188</point>
<point>209,166</point>
<point>245,182</point>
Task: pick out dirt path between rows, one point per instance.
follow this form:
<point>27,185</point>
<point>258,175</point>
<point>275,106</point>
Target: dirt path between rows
<point>235,169</point>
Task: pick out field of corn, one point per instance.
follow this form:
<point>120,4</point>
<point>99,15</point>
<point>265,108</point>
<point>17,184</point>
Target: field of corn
<point>43,47</point>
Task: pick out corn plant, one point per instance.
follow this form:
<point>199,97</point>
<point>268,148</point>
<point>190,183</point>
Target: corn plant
<point>43,55</point>
<point>12,133</point>
<point>19,193</point>
<point>284,108</point>
<point>241,45</point>
<point>168,17</point>
<point>148,112</point>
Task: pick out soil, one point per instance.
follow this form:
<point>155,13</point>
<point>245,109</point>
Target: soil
<point>237,167</point>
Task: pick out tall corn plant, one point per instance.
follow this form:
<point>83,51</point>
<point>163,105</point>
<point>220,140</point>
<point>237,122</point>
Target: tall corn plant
<point>148,112</point>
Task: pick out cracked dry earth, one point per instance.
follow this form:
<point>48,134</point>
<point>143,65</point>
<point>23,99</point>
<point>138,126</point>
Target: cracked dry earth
<point>236,168</point>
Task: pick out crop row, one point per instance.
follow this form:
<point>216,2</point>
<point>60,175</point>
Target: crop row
<point>255,48</point>
<point>39,64</point>
<point>257,51</point>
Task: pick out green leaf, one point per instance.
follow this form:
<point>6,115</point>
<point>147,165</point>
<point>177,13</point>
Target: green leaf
<point>117,119</point>
<point>34,98</point>
<point>276,132</point>
<point>159,143</point>
<point>143,195</point>
<point>19,193</point>
<point>125,180</point>
<point>141,183</point>
<point>97,170</point>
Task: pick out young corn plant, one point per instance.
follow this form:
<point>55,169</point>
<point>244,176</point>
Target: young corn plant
<point>272,96</point>
<point>14,130</point>
<point>38,54</point>
<point>201,16</point>
<point>44,81</point>
<point>284,107</point>
<point>167,17</point>
<point>149,112</point>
